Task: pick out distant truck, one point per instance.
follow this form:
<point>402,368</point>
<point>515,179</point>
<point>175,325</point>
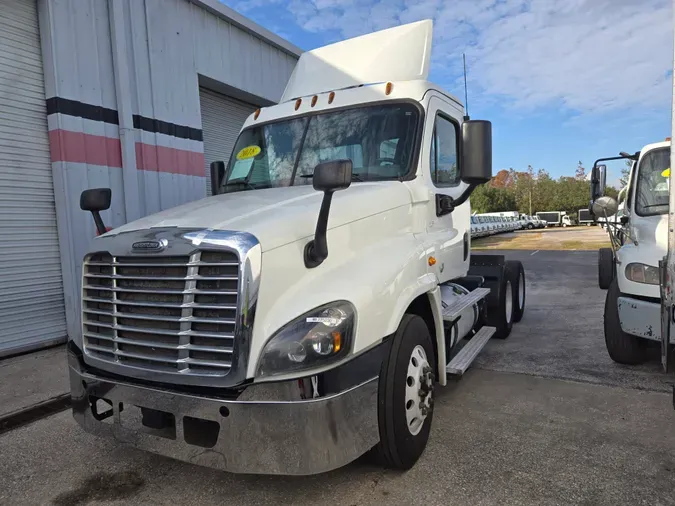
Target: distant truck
<point>555,218</point>
<point>585,217</point>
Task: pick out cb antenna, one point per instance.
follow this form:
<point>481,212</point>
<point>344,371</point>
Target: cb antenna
<point>466,92</point>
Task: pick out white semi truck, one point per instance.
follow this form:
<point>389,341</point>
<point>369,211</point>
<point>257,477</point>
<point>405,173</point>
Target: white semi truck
<point>629,270</point>
<point>305,313</point>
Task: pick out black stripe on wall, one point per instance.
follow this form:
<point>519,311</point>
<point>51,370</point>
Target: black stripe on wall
<point>97,113</point>
<point>81,110</point>
<point>163,127</point>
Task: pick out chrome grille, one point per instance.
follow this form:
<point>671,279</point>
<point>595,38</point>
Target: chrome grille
<point>166,313</point>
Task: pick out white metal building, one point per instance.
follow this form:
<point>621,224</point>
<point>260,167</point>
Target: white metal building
<point>136,95</point>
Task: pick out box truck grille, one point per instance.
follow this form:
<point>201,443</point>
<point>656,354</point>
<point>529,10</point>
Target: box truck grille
<point>165,313</point>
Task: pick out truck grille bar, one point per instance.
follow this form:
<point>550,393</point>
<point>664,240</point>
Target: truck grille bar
<point>174,314</point>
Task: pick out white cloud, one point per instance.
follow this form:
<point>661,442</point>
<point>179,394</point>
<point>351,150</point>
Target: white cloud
<point>582,55</point>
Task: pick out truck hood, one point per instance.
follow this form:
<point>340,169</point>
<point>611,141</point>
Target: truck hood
<point>277,216</point>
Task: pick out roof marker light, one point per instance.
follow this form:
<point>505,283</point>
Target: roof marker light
<point>314,99</point>
<point>297,103</point>
<point>331,96</point>
<point>256,114</point>
<point>387,89</point>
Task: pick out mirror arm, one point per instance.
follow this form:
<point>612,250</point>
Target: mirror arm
<point>100,227</point>
<point>446,205</point>
<point>316,250</point>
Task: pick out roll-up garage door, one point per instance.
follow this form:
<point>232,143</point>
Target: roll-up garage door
<point>32,312</point>
<point>222,118</point>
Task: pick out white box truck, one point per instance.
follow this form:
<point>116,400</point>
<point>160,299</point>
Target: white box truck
<point>555,218</point>
<point>585,217</point>
<point>306,312</point>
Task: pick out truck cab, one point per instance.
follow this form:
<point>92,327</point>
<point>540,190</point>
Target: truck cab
<point>630,269</point>
<point>305,313</point>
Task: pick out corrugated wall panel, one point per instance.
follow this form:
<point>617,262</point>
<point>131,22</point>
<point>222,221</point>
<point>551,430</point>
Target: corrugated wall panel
<point>171,45</point>
<point>32,309</point>
<point>222,118</point>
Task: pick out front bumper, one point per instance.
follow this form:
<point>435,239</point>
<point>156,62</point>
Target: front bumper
<point>258,437</point>
<point>640,318</point>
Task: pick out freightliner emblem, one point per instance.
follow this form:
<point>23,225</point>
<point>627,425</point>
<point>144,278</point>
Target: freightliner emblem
<point>150,245</point>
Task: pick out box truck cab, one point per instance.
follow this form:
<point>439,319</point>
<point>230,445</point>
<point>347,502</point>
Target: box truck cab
<point>629,271</point>
<point>305,313</point>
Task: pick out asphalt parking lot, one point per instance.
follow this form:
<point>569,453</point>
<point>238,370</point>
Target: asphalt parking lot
<point>543,418</point>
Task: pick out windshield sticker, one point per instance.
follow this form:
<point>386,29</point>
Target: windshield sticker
<point>248,152</point>
<point>240,169</point>
<point>666,173</point>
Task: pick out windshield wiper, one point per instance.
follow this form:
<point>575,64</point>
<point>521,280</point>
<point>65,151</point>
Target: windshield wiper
<point>238,182</point>
<point>355,177</point>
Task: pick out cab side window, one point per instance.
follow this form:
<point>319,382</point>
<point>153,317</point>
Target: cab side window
<point>443,163</point>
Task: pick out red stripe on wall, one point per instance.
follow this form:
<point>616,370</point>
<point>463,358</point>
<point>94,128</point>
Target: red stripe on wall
<point>78,147</point>
<point>174,161</point>
<point>67,146</point>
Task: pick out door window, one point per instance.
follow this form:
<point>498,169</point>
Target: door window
<point>443,163</point>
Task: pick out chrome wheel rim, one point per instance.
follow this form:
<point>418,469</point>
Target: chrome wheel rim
<point>509,302</point>
<point>419,388</point>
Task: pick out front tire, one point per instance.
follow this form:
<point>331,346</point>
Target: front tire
<point>405,395</point>
<point>623,348</point>
<point>605,267</point>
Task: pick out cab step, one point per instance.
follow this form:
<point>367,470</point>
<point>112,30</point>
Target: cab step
<point>452,311</point>
<point>461,362</point>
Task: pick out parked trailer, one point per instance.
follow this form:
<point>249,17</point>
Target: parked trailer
<point>555,218</point>
<point>251,327</point>
<point>586,217</point>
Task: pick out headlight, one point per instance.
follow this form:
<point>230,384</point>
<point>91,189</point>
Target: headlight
<point>641,273</point>
<point>313,340</point>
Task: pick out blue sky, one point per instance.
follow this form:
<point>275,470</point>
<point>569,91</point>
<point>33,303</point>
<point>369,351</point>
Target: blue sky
<point>561,80</point>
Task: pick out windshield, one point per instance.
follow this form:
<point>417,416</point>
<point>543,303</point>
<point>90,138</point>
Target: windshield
<point>379,140</point>
<point>652,183</point>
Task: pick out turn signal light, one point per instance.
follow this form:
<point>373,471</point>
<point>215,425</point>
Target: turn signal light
<point>432,261</point>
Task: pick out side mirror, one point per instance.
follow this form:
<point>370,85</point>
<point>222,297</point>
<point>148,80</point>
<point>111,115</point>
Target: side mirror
<point>598,181</point>
<point>332,176</point>
<point>95,201</point>
<point>604,207</point>
<point>328,177</point>
<point>476,152</point>
<point>217,175</point>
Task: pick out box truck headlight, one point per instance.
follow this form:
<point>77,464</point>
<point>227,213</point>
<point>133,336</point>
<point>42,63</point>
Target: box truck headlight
<point>641,273</point>
<point>313,340</point>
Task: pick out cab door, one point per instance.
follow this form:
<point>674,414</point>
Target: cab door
<point>450,232</point>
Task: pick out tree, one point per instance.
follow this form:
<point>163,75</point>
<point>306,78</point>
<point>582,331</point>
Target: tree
<point>625,173</point>
<point>502,179</point>
<point>580,173</point>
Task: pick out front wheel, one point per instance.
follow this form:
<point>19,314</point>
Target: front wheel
<point>405,394</point>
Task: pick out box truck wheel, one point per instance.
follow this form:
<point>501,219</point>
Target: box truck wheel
<point>405,394</point>
<point>516,273</point>
<point>500,315</point>
<point>622,347</point>
<point>605,267</point>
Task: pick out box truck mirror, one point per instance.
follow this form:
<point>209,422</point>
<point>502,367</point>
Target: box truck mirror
<point>598,181</point>
<point>96,200</point>
<point>328,178</point>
